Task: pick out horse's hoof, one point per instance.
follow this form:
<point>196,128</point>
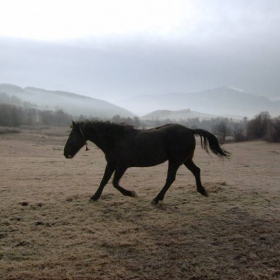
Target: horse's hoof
<point>204,193</point>
<point>157,202</point>
<point>93,199</point>
<point>154,202</point>
<point>134,194</point>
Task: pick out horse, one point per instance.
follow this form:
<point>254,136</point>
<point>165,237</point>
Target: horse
<point>125,146</point>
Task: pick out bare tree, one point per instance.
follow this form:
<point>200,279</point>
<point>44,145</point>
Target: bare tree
<point>238,132</point>
<point>273,134</point>
<point>222,131</point>
<point>257,128</point>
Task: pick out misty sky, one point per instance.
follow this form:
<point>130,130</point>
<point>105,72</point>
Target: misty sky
<point>112,50</point>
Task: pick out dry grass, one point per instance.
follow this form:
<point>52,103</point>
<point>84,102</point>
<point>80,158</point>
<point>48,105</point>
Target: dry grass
<point>8,130</point>
<point>49,230</point>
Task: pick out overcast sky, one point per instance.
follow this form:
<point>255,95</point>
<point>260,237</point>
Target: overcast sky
<point>112,49</point>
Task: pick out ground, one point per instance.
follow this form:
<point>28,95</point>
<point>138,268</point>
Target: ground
<point>49,229</point>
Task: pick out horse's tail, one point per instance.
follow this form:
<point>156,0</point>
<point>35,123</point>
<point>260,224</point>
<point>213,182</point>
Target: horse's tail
<point>210,140</point>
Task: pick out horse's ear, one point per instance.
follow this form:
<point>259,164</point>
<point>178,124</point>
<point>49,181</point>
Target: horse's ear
<point>73,124</point>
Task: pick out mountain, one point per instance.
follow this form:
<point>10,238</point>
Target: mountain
<point>220,101</point>
<point>177,115</point>
<point>69,102</point>
<point>226,101</point>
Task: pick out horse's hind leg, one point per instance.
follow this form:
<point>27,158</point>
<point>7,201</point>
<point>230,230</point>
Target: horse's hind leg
<point>196,172</point>
<point>106,177</point>
<point>171,176</point>
<point>117,176</point>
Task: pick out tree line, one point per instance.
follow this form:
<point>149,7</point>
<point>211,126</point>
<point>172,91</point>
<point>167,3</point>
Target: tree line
<point>15,116</point>
<point>14,100</point>
<point>261,127</point>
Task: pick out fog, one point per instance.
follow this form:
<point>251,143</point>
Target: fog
<point>233,43</point>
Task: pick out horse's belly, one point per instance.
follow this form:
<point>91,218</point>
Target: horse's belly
<point>148,157</point>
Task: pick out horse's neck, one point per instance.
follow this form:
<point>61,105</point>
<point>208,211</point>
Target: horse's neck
<point>101,137</point>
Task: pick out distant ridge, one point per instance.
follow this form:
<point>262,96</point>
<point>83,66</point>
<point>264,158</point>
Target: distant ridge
<point>56,92</point>
<point>219,101</point>
<point>71,103</point>
<point>177,115</point>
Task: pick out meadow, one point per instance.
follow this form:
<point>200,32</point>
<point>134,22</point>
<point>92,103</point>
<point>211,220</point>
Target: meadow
<point>49,230</point>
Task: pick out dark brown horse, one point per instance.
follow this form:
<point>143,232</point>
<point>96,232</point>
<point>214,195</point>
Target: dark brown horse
<point>124,147</point>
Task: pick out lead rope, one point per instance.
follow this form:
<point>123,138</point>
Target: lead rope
<point>87,149</point>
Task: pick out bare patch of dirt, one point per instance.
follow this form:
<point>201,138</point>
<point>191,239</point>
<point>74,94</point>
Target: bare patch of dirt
<point>50,230</point>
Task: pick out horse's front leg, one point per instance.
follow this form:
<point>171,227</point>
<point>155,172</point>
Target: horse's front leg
<point>106,177</point>
<point>117,176</point>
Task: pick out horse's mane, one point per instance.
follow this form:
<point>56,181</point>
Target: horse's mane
<point>106,127</point>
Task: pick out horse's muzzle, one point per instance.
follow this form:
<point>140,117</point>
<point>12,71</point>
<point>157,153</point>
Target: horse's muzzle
<point>68,156</point>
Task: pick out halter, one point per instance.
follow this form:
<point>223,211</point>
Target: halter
<point>87,149</point>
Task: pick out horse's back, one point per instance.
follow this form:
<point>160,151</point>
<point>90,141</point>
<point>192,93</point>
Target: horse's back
<point>170,142</point>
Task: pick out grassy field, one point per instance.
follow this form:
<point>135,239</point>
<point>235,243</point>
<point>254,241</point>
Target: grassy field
<point>50,230</point>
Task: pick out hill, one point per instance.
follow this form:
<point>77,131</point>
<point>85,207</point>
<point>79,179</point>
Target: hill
<point>177,115</point>
<point>224,101</point>
<point>71,103</point>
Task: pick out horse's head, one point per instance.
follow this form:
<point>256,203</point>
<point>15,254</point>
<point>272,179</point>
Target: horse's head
<point>75,141</point>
